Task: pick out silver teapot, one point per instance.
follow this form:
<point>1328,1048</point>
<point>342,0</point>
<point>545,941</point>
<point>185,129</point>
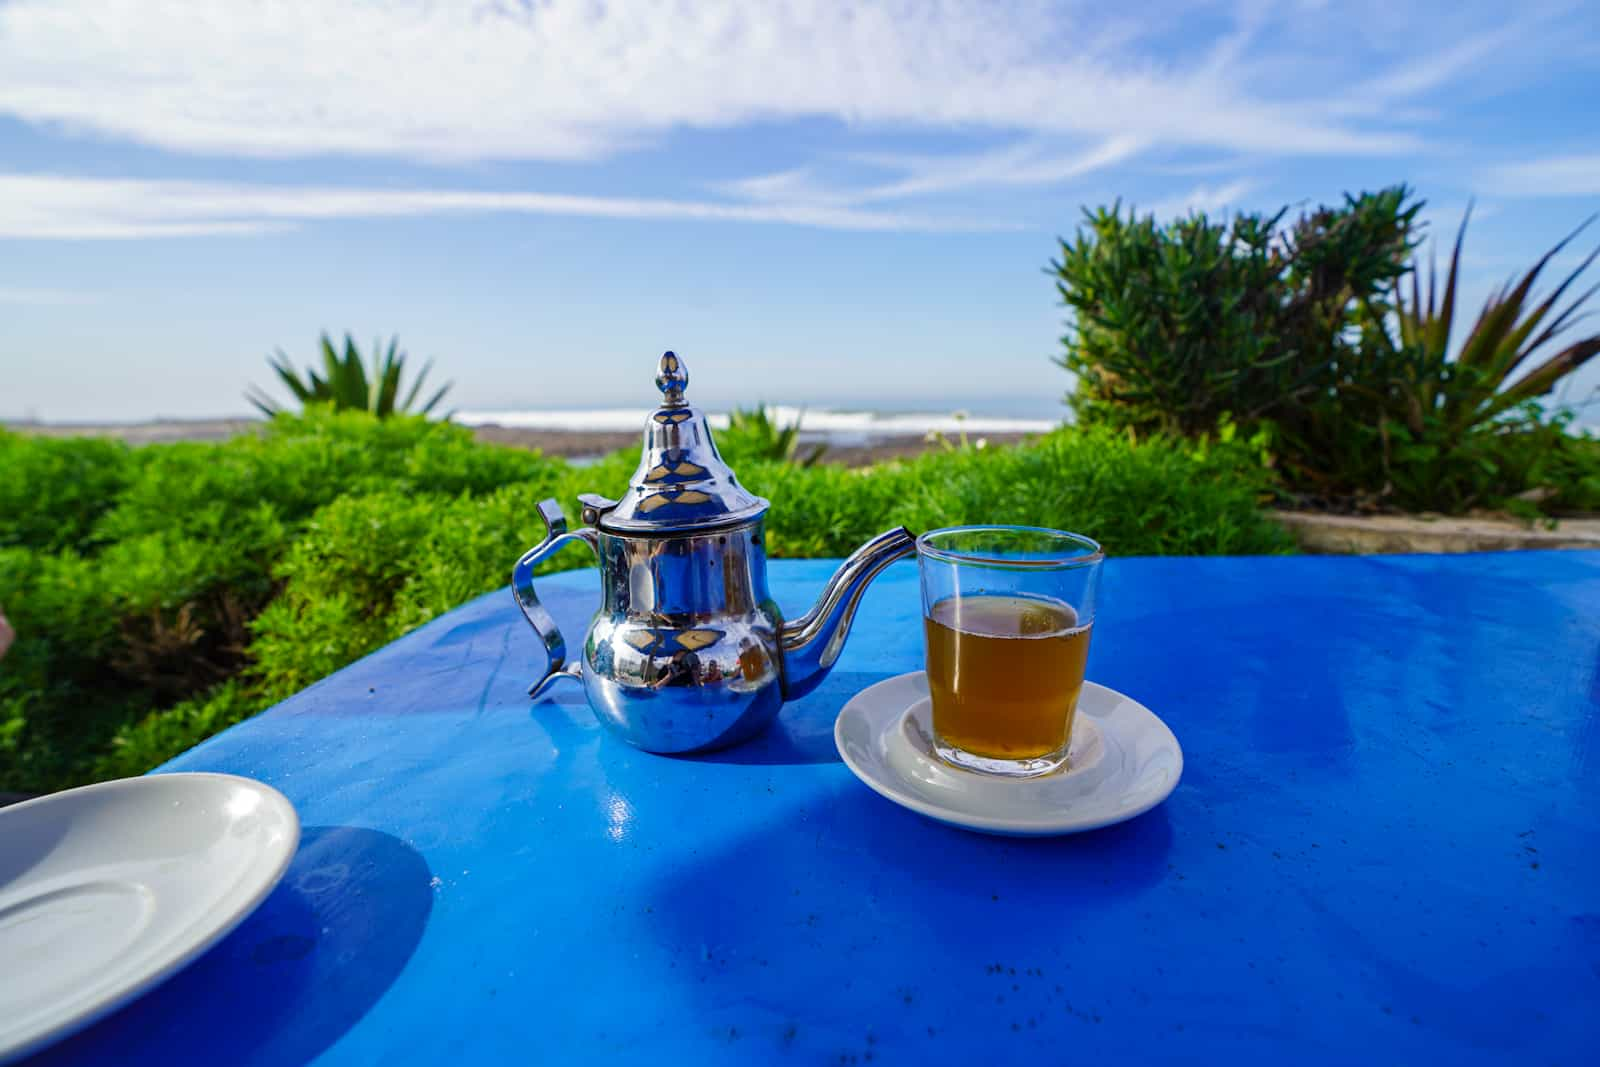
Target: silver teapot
<point>688,651</point>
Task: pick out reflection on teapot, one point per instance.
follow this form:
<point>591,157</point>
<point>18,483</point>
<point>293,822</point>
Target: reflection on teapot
<point>688,650</point>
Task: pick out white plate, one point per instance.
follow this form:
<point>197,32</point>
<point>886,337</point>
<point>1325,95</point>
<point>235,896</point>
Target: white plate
<point>1122,762</point>
<point>108,889</point>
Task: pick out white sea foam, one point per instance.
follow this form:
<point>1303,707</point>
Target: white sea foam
<point>838,426</point>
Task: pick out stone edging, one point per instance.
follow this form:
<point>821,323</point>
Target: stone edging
<point>1364,534</point>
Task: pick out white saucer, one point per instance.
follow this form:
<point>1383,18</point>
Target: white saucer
<point>108,889</point>
<point>1122,762</point>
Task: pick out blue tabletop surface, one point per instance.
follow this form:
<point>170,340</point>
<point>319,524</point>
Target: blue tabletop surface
<point>1383,849</point>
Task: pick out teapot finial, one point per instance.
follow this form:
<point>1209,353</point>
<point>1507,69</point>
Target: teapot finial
<point>682,482</point>
<point>671,379</point>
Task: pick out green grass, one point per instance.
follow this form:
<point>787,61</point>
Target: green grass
<point>165,593</point>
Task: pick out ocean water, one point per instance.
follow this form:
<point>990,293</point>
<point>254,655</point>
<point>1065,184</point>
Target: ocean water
<point>850,424</point>
<point>835,426</point>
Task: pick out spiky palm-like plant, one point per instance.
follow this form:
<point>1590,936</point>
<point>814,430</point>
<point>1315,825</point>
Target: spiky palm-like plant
<point>345,385</point>
<point>1482,381</point>
<point>1423,421</point>
<point>752,434</point>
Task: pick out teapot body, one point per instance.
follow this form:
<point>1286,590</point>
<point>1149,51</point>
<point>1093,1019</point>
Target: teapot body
<point>683,653</point>
<point>688,650</point>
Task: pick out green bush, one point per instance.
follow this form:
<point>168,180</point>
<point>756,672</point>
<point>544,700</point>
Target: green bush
<point>60,697</point>
<point>54,490</point>
<point>300,464</point>
<point>145,742</point>
<point>340,580</point>
<point>1151,497</point>
<point>1177,327</point>
<point>370,568</point>
<point>178,558</point>
<point>55,594</point>
<point>1561,467</point>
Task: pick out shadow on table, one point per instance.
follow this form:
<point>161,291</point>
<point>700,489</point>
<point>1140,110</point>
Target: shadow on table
<point>803,731</point>
<point>294,977</point>
<point>854,913</point>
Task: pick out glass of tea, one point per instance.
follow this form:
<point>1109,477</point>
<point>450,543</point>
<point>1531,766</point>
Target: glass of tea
<point>1007,612</point>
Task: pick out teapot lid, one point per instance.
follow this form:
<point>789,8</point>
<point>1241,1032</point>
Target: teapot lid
<point>682,482</point>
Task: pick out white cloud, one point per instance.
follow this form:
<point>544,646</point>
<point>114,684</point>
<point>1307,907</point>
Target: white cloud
<point>920,175</point>
<point>1066,88</point>
<point>66,206</point>
<point>1575,175</point>
<point>571,79</point>
<point>1208,198</point>
<point>1423,74</point>
<point>1018,165</point>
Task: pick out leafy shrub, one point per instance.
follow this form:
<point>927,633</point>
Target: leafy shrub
<point>182,601</point>
<point>1149,497</point>
<point>58,594</point>
<point>340,579</point>
<point>449,461</point>
<point>196,537</point>
<point>468,554</point>
<point>59,698</point>
<point>1177,326</point>
<point>180,558</point>
<point>143,743</point>
<point>300,464</point>
<point>1562,468</point>
<point>368,569</point>
<point>54,490</point>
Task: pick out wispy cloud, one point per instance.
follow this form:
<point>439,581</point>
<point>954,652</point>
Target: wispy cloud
<point>1208,198</point>
<point>571,79</point>
<point>67,206</point>
<point>1428,71</point>
<point>1014,166</point>
<point>1065,88</point>
<point>1027,164</point>
<point>1574,175</point>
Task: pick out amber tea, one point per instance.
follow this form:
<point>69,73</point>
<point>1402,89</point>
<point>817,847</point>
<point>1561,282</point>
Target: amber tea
<point>1004,673</point>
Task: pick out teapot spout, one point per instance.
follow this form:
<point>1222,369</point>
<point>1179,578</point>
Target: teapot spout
<point>813,642</point>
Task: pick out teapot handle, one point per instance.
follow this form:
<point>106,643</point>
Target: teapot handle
<point>539,617</point>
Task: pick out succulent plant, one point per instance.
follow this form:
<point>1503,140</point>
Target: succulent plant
<point>344,384</point>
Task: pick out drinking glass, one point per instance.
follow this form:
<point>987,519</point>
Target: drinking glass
<point>1007,612</point>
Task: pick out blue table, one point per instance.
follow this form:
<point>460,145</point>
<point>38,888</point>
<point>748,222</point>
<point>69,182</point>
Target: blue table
<point>1384,849</point>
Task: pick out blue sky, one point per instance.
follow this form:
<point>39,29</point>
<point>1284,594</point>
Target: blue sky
<point>812,202</point>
